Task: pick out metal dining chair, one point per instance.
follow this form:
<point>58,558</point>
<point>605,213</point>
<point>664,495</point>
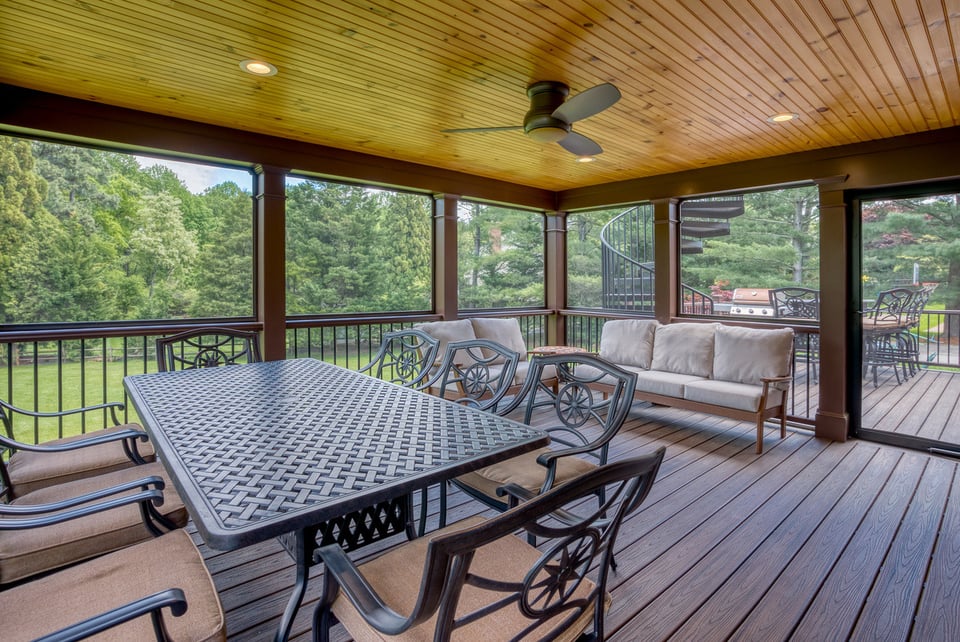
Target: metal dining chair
<point>581,423</point>
<point>26,467</point>
<point>207,348</point>
<point>405,357</point>
<point>478,580</point>
<point>475,372</point>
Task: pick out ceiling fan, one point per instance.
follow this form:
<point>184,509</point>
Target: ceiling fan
<point>551,116</point>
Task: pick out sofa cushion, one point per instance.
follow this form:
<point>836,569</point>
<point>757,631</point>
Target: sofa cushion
<point>659,382</point>
<point>747,355</point>
<point>684,348</point>
<point>447,331</point>
<point>506,332</point>
<point>742,396</point>
<point>628,342</point>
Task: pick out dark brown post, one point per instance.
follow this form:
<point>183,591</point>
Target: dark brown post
<point>833,415</point>
<point>555,276</point>
<point>445,265</point>
<point>271,260</point>
<point>666,256</point>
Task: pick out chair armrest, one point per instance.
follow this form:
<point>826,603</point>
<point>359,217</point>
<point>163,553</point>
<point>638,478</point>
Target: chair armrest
<point>93,440</point>
<point>114,406</point>
<point>342,572</point>
<point>172,597</point>
<point>520,494</point>
<point>780,383</point>
<point>38,509</point>
<point>36,520</point>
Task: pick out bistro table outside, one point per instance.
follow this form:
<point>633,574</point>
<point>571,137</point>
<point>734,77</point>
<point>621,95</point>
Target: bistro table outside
<point>285,448</point>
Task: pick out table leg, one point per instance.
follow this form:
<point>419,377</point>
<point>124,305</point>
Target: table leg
<point>298,549</point>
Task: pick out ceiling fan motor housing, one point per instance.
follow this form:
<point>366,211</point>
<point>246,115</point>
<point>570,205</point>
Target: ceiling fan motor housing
<point>539,123</point>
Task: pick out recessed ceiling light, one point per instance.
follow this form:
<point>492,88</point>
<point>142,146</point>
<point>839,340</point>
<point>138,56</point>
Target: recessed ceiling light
<point>783,117</point>
<point>585,159</point>
<point>258,68</point>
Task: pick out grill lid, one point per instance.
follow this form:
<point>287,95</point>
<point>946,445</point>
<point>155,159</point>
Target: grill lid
<point>754,296</point>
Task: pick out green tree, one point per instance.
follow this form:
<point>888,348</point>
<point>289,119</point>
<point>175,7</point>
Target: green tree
<point>331,229</point>
<point>161,249</point>
<point>900,233</point>
<point>500,255</point>
<point>21,200</point>
<point>223,276</point>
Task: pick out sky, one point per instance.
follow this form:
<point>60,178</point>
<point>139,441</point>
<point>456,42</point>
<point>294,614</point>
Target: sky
<point>198,177</point>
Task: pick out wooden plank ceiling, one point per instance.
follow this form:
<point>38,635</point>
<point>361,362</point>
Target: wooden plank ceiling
<point>699,77</point>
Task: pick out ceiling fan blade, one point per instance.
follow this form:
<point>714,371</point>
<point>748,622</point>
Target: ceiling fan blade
<point>580,145</point>
<point>587,103</point>
<point>481,130</point>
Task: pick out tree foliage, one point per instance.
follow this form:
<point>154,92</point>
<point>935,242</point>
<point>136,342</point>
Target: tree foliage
<point>904,235</point>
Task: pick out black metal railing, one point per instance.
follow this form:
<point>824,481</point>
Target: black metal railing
<point>46,373</point>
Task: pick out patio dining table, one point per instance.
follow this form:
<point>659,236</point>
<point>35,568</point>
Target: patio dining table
<point>309,452</point>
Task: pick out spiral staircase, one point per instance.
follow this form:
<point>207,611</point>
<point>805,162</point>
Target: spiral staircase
<point>627,252</point>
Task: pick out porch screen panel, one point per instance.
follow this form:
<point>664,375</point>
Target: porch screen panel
<point>500,257</point>
<point>355,249</point>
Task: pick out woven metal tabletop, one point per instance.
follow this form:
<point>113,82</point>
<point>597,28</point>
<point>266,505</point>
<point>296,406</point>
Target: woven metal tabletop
<point>257,450</point>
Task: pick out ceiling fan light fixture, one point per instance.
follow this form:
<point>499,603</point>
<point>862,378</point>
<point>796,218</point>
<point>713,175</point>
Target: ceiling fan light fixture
<point>258,68</point>
<point>548,134</point>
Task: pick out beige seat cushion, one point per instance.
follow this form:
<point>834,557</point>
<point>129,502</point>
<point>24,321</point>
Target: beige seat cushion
<point>506,332</point>
<point>684,348</point>
<point>447,331</point>
<point>30,471</point>
<point>747,355</point>
<point>396,577</point>
<point>35,550</point>
<point>79,592</point>
<point>525,471</point>
<point>628,342</point>
<point>731,394</point>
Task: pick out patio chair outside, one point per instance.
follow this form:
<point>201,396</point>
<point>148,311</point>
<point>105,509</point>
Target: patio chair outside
<point>478,580</point>
<point>800,303</point>
<point>207,348</point>
<point>25,467</point>
<point>404,357</point>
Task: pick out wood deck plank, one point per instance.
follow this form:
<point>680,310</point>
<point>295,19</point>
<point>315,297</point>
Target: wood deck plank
<point>785,603</point>
<point>888,610</point>
<point>938,615</point>
<point>834,611</point>
<point>713,551</point>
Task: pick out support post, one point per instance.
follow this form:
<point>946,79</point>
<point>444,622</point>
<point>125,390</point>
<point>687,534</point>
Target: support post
<point>271,260</point>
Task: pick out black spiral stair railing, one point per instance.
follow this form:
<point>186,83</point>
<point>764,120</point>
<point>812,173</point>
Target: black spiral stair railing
<point>627,252</point>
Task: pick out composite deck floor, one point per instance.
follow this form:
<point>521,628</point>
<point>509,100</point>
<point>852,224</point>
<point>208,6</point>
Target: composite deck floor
<point>813,540</point>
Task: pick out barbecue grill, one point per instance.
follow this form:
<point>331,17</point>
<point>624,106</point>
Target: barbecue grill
<point>754,302</point>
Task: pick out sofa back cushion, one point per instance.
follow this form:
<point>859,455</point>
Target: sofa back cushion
<point>447,331</point>
<point>684,348</point>
<point>628,342</point>
<point>506,332</point>
<point>747,355</point>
